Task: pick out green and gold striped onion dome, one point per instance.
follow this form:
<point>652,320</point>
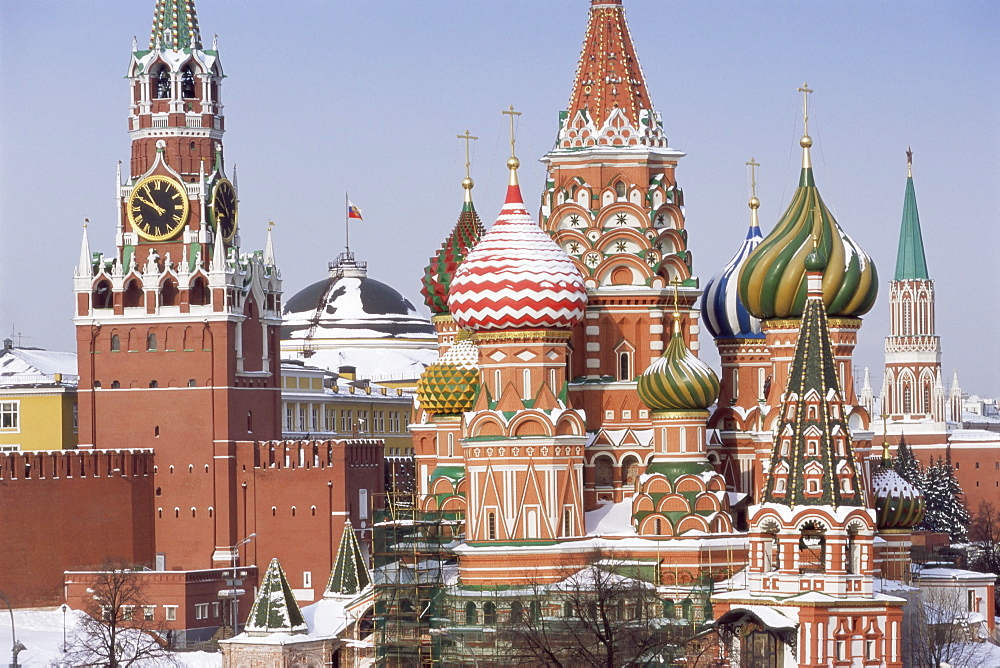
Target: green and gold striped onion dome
<point>772,281</point>
<point>677,380</point>
<point>898,504</point>
<point>450,384</point>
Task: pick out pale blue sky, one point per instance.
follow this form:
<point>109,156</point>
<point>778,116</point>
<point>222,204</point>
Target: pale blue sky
<point>368,97</point>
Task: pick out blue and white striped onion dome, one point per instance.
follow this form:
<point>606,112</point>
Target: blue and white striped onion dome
<point>721,307</point>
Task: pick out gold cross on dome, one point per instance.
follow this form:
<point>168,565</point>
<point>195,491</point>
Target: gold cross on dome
<point>753,165</point>
<point>510,112</point>
<point>676,282</point>
<point>468,138</point>
<point>270,224</point>
<point>805,90</point>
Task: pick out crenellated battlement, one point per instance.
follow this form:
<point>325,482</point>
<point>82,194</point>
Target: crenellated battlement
<point>55,464</point>
<point>363,452</point>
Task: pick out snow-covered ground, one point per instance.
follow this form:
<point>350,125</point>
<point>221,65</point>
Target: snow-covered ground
<point>41,631</point>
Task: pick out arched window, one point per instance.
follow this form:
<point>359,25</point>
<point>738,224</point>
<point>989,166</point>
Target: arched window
<point>516,612</point>
<point>812,548</point>
<point>535,610</point>
<point>133,294</point>
<point>471,614</point>
<point>489,614</point>
<point>151,342</point>
<point>491,526</point>
<point>624,366</point>
<point>603,471</point>
<point>115,385</point>
<point>102,296</point>
<point>907,318</point>
<point>154,383</point>
<point>927,398</point>
<point>168,294</point>
<point>116,343</point>
<point>620,189</point>
<point>187,83</point>
<point>567,609</point>
<point>907,398</point>
<point>853,553</point>
<point>198,294</point>
<point>161,83</point>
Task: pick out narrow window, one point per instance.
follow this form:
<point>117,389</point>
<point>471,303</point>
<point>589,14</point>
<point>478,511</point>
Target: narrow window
<point>151,342</point>
<point>116,343</point>
<point>491,526</point>
<point>471,614</point>
<point>187,83</point>
<point>161,84</point>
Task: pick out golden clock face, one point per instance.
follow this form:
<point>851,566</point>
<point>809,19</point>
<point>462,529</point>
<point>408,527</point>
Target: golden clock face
<point>224,209</point>
<point>158,208</point>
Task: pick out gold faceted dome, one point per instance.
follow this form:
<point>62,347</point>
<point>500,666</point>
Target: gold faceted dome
<point>450,384</point>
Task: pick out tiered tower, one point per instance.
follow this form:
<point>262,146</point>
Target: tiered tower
<point>913,388</point>
<point>612,203</point>
<point>177,332</point>
<point>812,561</point>
<point>772,287</point>
<point>746,360</point>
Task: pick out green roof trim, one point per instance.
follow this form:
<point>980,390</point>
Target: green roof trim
<point>275,610</point>
<point>350,574</point>
<point>910,260</point>
<point>454,473</point>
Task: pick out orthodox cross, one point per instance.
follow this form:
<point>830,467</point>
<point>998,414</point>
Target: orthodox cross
<point>510,112</point>
<point>753,165</point>
<point>468,138</point>
<point>805,90</point>
<point>676,281</point>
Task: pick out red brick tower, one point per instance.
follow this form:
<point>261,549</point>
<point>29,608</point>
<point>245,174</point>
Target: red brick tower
<point>177,332</point>
<point>613,204</point>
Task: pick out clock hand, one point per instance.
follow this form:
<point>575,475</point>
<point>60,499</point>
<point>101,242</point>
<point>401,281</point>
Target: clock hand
<point>159,209</point>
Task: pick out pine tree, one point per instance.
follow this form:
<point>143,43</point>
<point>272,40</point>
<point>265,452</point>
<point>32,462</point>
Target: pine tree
<point>946,512</point>
<point>958,514</point>
<point>935,497</point>
<point>907,466</point>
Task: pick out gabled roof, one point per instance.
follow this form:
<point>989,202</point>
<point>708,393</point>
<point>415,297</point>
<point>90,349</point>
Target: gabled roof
<point>350,574</point>
<point>275,610</point>
<point>910,260</point>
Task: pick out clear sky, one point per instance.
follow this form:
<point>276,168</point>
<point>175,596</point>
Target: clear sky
<point>323,97</point>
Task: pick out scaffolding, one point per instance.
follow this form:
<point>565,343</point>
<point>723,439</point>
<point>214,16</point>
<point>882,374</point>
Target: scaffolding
<point>413,561</point>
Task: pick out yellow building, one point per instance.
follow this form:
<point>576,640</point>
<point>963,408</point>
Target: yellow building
<point>37,399</point>
<point>317,403</point>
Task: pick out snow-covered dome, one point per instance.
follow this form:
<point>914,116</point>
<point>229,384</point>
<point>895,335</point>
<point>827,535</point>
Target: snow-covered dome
<point>349,302</point>
<point>724,313</point>
<point>517,277</point>
<point>898,504</point>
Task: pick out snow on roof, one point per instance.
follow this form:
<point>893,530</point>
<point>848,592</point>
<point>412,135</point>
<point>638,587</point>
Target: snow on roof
<point>775,618</point>
<point>953,574</point>
<point>377,364</point>
<point>611,519</point>
<point>31,366</point>
<point>328,616</point>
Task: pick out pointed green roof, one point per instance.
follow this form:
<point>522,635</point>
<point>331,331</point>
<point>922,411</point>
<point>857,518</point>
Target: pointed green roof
<point>813,452</point>
<point>275,610</point>
<point>350,574</point>
<point>175,26</point>
<point>910,260</point>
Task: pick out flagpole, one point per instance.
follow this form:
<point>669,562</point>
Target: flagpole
<point>347,223</point>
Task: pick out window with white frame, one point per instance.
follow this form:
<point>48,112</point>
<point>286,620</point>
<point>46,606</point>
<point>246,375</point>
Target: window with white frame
<point>303,425</point>
<point>201,610</point>
<point>393,422</point>
<point>315,418</point>
<point>147,612</point>
<point>289,417</point>
<point>346,421</point>
<point>170,613</point>
<point>379,426</point>
<point>363,425</point>
<point>10,415</point>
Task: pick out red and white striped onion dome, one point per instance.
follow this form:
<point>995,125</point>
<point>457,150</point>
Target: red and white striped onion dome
<point>517,277</point>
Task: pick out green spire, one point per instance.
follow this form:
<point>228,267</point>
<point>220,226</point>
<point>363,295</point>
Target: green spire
<point>275,610</point>
<point>175,26</point>
<point>350,575</point>
<point>910,260</point>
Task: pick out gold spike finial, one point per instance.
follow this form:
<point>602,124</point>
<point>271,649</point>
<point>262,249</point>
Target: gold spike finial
<point>676,282</point>
<point>270,224</point>
<point>806,140</point>
<point>513,163</point>
<point>467,182</point>
<point>86,221</point>
<point>754,202</point>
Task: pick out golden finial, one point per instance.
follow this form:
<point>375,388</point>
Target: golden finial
<point>885,443</point>
<point>806,140</point>
<point>86,221</point>
<point>270,224</point>
<point>513,163</point>
<point>676,282</point>
<point>909,162</point>
<point>753,165</point>
<point>467,182</point>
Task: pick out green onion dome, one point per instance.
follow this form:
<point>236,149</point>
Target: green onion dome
<point>772,281</point>
<point>677,380</point>
<point>898,504</point>
<point>450,384</point>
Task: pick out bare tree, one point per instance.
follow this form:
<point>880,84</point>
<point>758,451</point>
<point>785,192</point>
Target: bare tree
<point>116,632</point>
<point>603,615</point>
<point>984,553</point>
<point>937,629</point>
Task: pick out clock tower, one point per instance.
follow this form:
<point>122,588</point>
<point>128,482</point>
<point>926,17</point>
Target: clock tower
<point>178,330</point>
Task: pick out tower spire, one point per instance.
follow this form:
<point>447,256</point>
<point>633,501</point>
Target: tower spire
<point>608,76</point>
<point>910,260</point>
<point>175,26</point>
<point>84,268</point>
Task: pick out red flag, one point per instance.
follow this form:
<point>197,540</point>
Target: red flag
<point>353,211</point>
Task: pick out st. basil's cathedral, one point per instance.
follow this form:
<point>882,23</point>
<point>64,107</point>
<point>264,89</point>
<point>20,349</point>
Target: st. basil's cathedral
<point>567,424</point>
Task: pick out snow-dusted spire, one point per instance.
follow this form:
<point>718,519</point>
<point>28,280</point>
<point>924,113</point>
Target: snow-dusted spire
<point>269,247</point>
<point>218,254</point>
<point>85,265</point>
<point>275,610</point>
